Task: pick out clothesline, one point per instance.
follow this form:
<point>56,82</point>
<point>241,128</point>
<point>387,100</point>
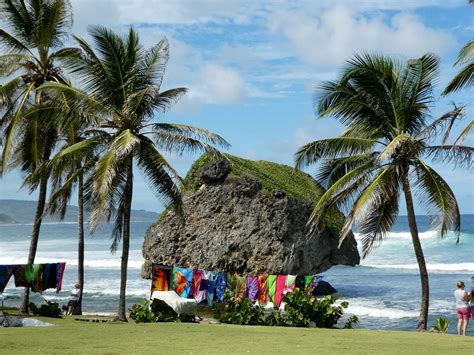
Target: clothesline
<point>211,286</point>
<point>38,277</point>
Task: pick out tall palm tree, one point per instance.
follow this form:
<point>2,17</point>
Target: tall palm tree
<point>121,82</point>
<point>463,79</point>
<point>34,34</point>
<point>384,106</point>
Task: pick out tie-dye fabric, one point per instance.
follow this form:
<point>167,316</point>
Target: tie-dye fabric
<point>280,288</point>
<point>252,287</point>
<point>211,287</point>
<point>182,281</point>
<point>262,289</point>
<point>161,278</point>
<point>290,283</point>
<point>221,287</point>
<point>272,287</point>
<point>198,294</point>
<point>240,286</point>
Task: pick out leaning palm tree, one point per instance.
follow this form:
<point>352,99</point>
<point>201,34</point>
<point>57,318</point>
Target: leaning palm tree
<point>121,84</point>
<point>384,106</point>
<point>463,79</point>
<point>34,34</point>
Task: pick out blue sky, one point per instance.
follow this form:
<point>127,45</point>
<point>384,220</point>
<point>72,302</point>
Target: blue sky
<point>251,66</point>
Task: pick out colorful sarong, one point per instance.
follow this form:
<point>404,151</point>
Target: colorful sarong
<point>280,288</point>
<point>272,287</point>
<point>290,283</point>
<point>20,277</point>
<point>221,287</point>
<point>262,289</point>
<point>6,271</point>
<point>59,276</point>
<point>161,278</point>
<point>211,287</point>
<point>252,287</point>
<point>182,281</point>
<point>310,282</point>
<point>198,293</point>
<point>240,286</point>
<point>300,282</point>
<point>49,276</point>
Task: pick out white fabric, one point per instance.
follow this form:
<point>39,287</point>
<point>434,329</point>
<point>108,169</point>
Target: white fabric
<point>460,300</point>
<point>75,294</point>
<point>179,304</point>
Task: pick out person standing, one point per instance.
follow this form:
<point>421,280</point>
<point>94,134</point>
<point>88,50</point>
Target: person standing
<point>462,305</point>
<point>73,299</point>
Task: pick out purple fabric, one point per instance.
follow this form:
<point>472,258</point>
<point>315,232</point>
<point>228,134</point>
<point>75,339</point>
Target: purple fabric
<point>252,287</point>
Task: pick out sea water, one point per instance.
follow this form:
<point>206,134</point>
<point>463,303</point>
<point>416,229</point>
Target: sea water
<point>384,291</point>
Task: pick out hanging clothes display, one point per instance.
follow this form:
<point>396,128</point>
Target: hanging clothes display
<point>310,282</point>
<point>221,287</point>
<point>161,278</point>
<point>6,272</point>
<point>280,288</point>
<point>59,276</point>
<point>262,289</point>
<point>182,281</point>
<point>240,286</point>
<point>49,276</point>
<point>20,277</point>
<point>300,282</point>
<point>252,287</point>
<point>271,287</point>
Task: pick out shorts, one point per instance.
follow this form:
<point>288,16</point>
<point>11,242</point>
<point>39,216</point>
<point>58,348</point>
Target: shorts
<point>72,303</point>
<point>463,313</point>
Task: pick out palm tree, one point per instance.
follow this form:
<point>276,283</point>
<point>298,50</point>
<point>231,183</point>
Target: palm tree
<point>121,83</point>
<point>464,79</point>
<point>384,106</point>
<point>33,37</point>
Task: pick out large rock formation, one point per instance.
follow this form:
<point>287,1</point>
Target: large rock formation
<point>246,216</point>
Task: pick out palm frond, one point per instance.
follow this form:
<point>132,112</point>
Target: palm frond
<point>465,78</point>
<point>466,131</point>
<point>179,144</point>
<point>443,123</point>
<point>457,154</point>
<point>435,192</point>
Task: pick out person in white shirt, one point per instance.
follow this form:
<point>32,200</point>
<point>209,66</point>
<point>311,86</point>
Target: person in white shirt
<point>73,299</point>
<point>462,305</point>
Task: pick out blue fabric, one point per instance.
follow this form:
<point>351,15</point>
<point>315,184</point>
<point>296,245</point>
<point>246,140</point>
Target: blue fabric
<point>6,271</point>
<point>211,287</point>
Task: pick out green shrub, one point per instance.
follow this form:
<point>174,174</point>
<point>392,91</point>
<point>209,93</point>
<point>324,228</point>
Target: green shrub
<point>351,322</point>
<point>141,312</point>
<point>442,325</point>
<point>240,311</point>
<point>303,309</point>
<point>50,309</point>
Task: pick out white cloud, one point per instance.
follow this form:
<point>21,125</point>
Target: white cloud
<point>337,33</point>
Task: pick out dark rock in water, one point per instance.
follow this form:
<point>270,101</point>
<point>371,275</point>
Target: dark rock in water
<point>249,222</point>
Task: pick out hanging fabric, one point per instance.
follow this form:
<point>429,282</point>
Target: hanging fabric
<point>290,284</point>
<point>49,276</point>
<point>252,287</point>
<point>240,286</point>
<point>161,278</point>
<point>59,276</point>
<point>198,294</point>
<point>262,289</point>
<point>182,281</point>
<point>280,288</point>
<point>311,281</point>
<point>221,287</point>
<point>211,287</point>
<point>272,287</point>
<point>6,272</point>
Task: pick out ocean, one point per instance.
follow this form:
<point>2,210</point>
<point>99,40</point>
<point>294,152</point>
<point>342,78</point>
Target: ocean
<point>384,291</point>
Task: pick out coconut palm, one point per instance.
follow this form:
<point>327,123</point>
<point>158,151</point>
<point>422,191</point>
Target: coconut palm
<point>384,106</point>
<point>122,83</point>
<point>32,38</point>
<point>464,79</point>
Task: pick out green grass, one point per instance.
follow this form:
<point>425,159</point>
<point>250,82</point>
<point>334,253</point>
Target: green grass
<point>74,337</point>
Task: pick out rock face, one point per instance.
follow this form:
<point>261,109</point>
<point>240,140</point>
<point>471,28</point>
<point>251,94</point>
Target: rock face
<point>233,224</point>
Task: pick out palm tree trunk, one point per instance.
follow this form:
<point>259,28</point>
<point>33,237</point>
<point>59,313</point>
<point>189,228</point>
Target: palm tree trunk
<point>80,242</point>
<point>425,288</point>
<point>35,236</point>
<point>121,315</point>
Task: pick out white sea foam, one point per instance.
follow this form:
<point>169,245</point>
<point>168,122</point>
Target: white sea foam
<point>406,235</point>
<point>431,267</point>
<point>376,309</point>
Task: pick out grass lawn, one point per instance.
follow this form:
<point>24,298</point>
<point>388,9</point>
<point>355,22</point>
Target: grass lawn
<point>70,336</point>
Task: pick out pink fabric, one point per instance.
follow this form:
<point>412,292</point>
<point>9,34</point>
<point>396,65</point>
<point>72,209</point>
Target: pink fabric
<point>463,312</point>
<point>280,288</point>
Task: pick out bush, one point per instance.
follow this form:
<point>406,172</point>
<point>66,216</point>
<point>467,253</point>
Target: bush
<point>158,311</point>
<point>50,309</point>
<point>240,311</point>
<point>302,309</point>
<point>442,325</point>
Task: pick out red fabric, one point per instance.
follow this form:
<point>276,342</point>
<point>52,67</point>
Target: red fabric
<point>280,287</point>
<point>463,313</point>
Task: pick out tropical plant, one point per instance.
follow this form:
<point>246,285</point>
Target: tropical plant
<point>50,309</point>
<point>464,79</point>
<point>239,310</point>
<point>384,106</point>
<point>442,325</point>
<point>121,85</point>
<point>34,33</point>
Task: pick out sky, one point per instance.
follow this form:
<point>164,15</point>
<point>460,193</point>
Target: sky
<point>251,67</point>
